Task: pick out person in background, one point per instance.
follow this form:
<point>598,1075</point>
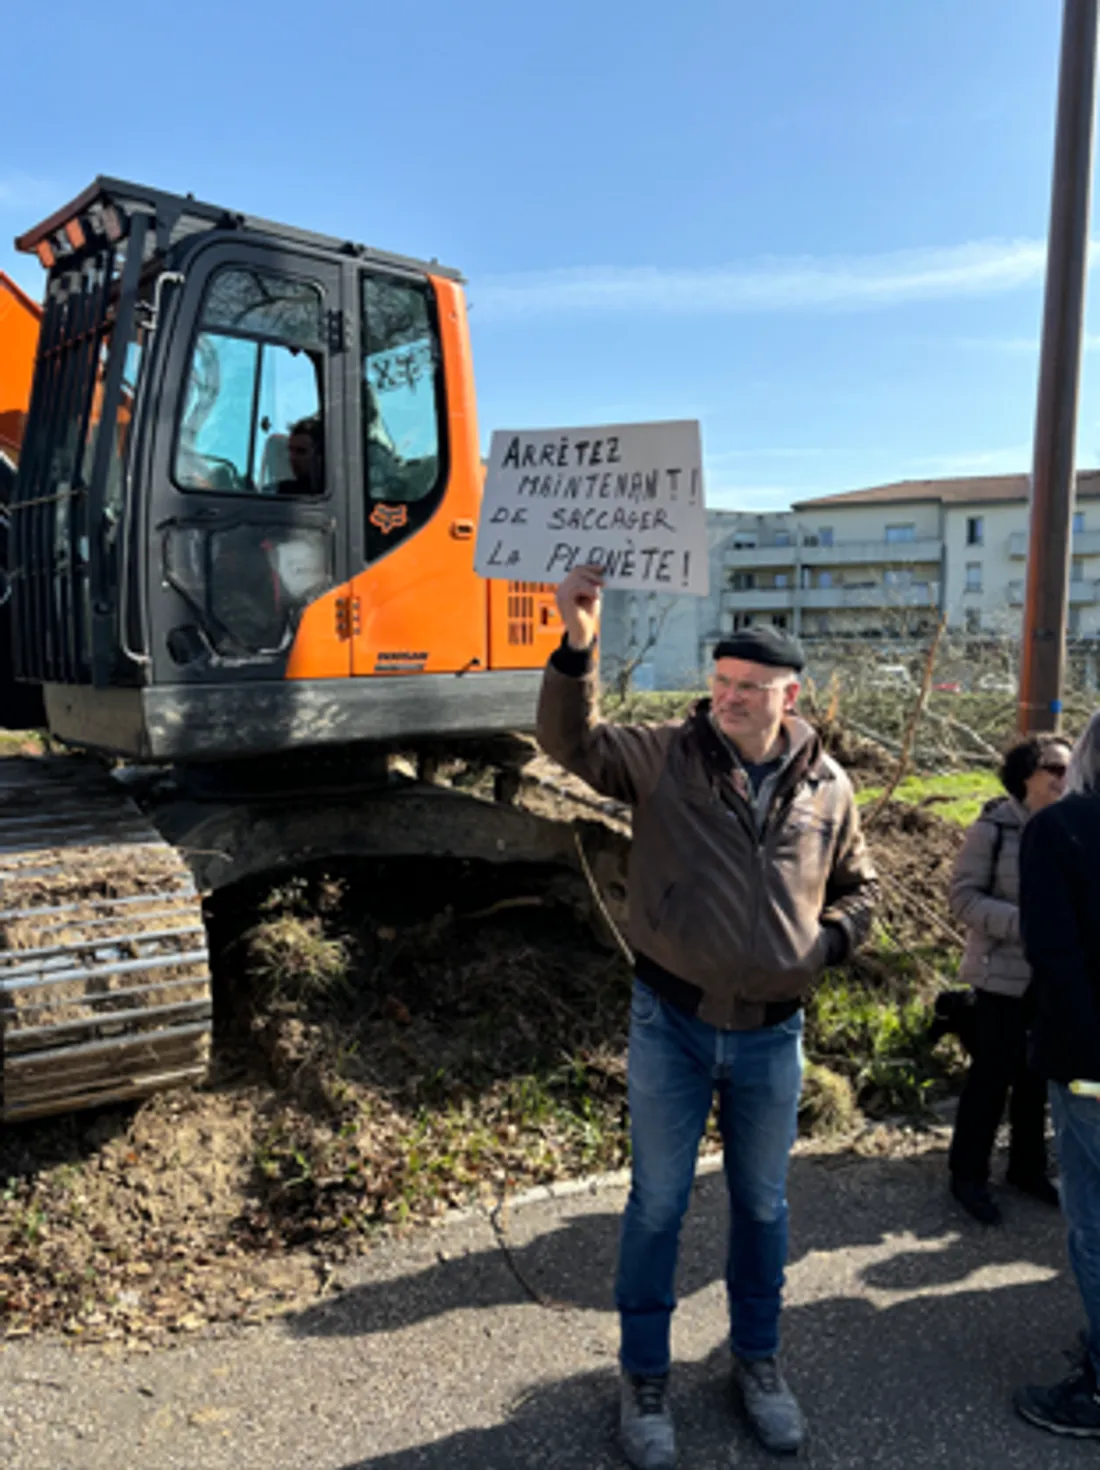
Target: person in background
<point>984,897</point>
<point>748,876</point>
<point>1060,921</point>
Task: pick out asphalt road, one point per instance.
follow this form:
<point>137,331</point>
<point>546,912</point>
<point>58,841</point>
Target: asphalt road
<point>905,1331</point>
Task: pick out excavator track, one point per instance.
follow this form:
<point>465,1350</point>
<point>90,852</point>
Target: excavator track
<point>105,990</point>
<point>105,982</point>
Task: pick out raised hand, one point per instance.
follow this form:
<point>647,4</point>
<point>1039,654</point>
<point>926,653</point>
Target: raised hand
<point>579,604</point>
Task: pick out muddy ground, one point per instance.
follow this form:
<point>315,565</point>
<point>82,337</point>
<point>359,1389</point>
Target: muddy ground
<point>392,1041</point>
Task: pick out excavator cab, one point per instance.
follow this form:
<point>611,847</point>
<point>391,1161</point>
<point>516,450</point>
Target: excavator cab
<point>248,490</point>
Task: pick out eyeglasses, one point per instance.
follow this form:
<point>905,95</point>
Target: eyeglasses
<point>749,686</point>
<point>1056,768</point>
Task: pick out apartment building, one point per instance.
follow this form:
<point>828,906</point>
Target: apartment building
<point>881,563</point>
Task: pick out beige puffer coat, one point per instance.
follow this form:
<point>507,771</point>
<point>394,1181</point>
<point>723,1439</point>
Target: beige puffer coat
<point>985,897</point>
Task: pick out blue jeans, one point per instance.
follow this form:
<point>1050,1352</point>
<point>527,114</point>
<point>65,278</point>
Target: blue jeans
<point>676,1063</point>
<point>1077,1133</point>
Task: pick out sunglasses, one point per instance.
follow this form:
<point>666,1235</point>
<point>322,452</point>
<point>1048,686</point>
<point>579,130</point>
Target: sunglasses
<point>1056,768</point>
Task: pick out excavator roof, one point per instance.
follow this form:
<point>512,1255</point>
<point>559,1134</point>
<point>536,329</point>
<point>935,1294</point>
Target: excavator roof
<point>102,212</point>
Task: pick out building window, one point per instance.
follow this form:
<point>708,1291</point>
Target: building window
<point>781,579</point>
<point>743,581</point>
<point>744,541</point>
<point>1074,627</point>
<point>973,620</point>
<point>741,620</point>
<point>824,579</point>
<point>1078,521</point>
<point>825,535</point>
<point>782,538</point>
<point>901,533</point>
<point>1077,570</point>
<point>779,620</point>
<point>975,530</point>
<point>973,576</point>
<point>823,622</point>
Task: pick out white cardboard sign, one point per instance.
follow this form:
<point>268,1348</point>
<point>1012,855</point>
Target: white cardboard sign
<point>625,497</point>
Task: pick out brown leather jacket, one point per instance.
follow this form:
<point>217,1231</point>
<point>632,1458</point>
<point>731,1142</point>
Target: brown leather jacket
<point>724,921</point>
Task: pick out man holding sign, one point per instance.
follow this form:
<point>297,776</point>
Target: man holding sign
<point>748,876</point>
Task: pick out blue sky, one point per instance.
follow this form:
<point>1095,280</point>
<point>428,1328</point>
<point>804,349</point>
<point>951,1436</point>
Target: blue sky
<point>818,226</point>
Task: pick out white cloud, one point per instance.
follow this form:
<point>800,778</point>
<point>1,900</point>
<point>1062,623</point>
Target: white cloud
<point>1013,459</point>
<point>779,283</point>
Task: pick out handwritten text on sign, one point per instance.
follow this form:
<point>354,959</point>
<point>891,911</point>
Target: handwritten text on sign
<point>626,497</point>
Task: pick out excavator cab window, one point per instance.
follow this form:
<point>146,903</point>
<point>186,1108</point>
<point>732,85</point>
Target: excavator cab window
<point>253,407</point>
<point>402,407</point>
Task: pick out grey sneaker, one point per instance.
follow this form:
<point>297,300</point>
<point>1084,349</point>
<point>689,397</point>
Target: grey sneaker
<point>771,1406</point>
<point>646,1434</point>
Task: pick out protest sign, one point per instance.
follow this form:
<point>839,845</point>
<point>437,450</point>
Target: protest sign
<point>625,497</point>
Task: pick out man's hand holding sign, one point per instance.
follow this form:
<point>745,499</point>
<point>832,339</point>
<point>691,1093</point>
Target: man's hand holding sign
<point>579,605</point>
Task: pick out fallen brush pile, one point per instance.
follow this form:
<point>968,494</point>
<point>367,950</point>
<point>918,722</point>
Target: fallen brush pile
<point>395,1040</point>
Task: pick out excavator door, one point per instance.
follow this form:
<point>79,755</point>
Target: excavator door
<point>248,473</point>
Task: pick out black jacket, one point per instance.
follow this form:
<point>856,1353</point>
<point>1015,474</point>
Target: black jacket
<point>1060,921</point>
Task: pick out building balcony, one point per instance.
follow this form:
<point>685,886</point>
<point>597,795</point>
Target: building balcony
<point>1085,543</point>
<point>759,599</point>
<point>839,554</point>
<point>785,599</point>
<point>880,596</point>
<point>1080,592</point>
<point>870,553</point>
<point>760,556</point>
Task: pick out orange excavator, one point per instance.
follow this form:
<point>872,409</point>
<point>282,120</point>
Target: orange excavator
<point>239,578</point>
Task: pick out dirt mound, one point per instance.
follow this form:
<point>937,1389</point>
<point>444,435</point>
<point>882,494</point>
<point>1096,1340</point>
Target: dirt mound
<point>867,763</point>
<point>393,1040</point>
<point>914,851</point>
<point>393,1044</point>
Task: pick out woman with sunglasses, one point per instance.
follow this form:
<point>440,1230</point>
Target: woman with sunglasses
<point>984,897</point>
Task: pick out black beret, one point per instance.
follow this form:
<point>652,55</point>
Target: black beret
<point>763,644</point>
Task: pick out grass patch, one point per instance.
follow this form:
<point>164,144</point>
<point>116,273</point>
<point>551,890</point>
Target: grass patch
<point>957,796</point>
<point>295,959</point>
<point>878,1042</point>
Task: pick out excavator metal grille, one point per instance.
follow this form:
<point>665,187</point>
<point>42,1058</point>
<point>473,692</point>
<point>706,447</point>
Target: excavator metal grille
<point>530,609</point>
<point>104,969</point>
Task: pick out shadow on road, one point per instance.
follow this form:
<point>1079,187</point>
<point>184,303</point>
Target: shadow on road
<point>924,1383</point>
<point>573,1264</point>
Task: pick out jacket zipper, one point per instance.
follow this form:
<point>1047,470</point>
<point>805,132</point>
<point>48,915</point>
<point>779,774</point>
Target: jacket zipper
<point>780,810</point>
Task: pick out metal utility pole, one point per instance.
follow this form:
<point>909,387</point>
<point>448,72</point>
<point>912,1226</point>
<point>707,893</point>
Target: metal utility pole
<point>1043,642</point>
